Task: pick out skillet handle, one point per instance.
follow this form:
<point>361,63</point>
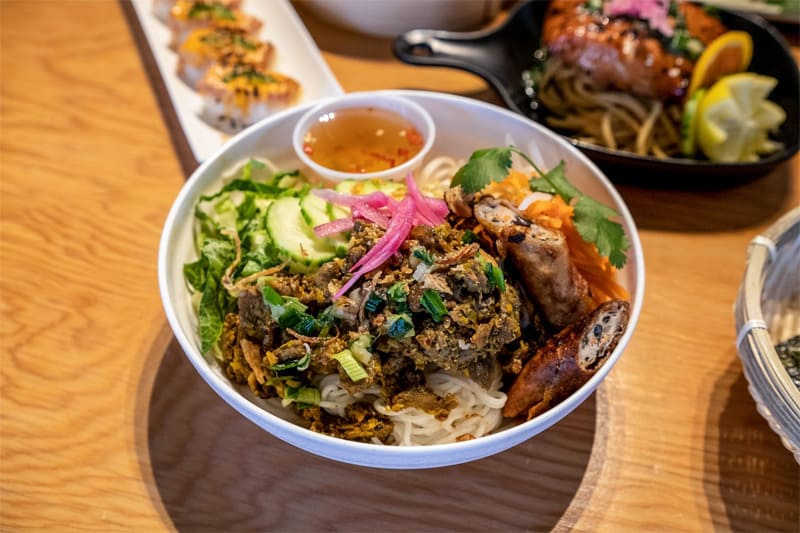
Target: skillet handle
<point>440,49</point>
<point>490,55</point>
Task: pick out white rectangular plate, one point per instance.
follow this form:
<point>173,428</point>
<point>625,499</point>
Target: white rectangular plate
<point>296,55</point>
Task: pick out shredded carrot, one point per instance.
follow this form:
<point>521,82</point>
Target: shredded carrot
<point>514,188</point>
<point>556,214</point>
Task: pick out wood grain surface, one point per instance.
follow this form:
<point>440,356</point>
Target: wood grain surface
<point>105,426</point>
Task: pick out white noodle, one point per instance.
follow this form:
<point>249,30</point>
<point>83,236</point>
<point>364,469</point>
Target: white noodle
<point>435,176</point>
<point>478,410</point>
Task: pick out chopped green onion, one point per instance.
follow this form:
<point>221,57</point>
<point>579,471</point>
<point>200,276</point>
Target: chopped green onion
<point>351,367</point>
<point>324,321</point>
<point>360,348</point>
<point>300,364</point>
<point>397,293</point>
<point>494,273</point>
<point>423,255</point>
<point>271,296</point>
<point>290,317</point>
<point>302,396</point>
<point>433,304</point>
<point>400,326</point>
<point>468,237</point>
<point>374,303</point>
<point>290,302</point>
<point>308,325</point>
<point>290,312</point>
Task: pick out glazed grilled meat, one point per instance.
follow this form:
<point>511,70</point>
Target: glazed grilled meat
<point>621,53</point>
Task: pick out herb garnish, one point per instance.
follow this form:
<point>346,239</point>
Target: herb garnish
<point>249,72</point>
<point>592,219</point>
<point>223,37</point>
<point>423,255</point>
<point>210,10</point>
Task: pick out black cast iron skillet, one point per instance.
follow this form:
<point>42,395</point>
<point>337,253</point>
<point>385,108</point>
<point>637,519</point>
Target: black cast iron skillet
<point>502,54</point>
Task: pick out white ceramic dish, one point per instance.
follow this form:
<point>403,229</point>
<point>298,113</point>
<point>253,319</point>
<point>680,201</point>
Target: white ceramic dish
<point>463,125</point>
<point>296,55</point>
<point>405,108</point>
<point>387,19</point>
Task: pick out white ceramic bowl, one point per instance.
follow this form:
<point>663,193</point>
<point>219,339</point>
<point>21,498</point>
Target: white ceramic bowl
<point>463,125</point>
<point>388,18</point>
<point>404,107</point>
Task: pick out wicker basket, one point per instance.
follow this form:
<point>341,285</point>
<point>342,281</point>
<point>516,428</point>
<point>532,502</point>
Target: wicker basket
<point>767,313</point>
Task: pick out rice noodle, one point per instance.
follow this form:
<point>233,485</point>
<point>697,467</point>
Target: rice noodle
<point>479,410</point>
<point>434,178</point>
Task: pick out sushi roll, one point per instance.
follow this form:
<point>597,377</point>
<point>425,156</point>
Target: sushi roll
<point>189,15</point>
<point>207,47</point>
<point>161,9</point>
<point>237,96</point>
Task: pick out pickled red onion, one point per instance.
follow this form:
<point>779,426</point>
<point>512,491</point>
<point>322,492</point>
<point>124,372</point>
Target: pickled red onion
<point>396,217</point>
<point>655,12</point>
<point>333,227</point>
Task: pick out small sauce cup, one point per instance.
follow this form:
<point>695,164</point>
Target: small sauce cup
<point>364,136</point>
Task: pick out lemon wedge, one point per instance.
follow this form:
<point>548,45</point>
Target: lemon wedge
<point>734,118</point>
<point>729,53</point>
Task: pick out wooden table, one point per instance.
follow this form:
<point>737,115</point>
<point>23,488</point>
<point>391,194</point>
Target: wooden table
<point>105,425</point>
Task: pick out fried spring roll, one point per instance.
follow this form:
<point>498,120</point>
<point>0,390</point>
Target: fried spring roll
<point>541,257</point>
<point>567,360</point>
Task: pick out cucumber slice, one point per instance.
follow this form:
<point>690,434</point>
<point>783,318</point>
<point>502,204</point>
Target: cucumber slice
<point>395,189</point>
<point>336,212</point>
<point>359,187</point>
<point>314,210</point>
<point>356,187</point>
<point>295,239</point>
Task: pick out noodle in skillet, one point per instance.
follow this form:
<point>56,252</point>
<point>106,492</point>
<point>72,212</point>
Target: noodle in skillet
<point>610,119</point>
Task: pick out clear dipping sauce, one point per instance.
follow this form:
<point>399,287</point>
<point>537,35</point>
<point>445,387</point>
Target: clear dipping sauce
<point>362,140</point>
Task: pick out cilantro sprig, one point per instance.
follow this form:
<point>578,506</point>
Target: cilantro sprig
<point>592,219</point>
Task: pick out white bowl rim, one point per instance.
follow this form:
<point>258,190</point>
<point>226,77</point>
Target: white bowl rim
<point>394,457</point>
<point>378,99</point>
